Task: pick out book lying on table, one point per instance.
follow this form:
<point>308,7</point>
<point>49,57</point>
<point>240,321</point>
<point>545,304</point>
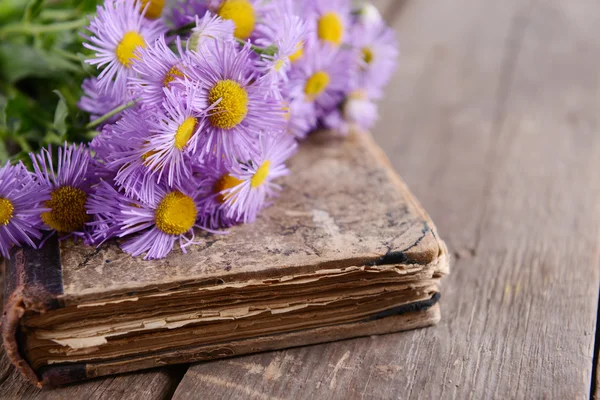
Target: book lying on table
<point>346,251</point>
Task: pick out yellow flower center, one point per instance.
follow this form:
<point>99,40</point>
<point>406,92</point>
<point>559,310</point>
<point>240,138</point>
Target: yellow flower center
<point>260,175</point>
<point>155,8</point>
<point>242,14</point>
<point>185,132</point>
<point>176,214</point>
<point>316,84</point>
<point>330,28</point>
<point>6,211</point>
<point>126,49</point>
<point>226,182</point>
<point>299,52</point>
<point>170,76</point>
<point>232,108</point>
<point>67,209</point>
<point>287,113</point>
<point>279,65</point>
<point>367,55</point>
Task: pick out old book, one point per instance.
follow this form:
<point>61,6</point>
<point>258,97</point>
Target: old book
<point>345,251</point>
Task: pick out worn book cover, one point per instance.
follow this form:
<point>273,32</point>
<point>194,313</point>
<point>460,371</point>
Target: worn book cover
<point>345,251</point>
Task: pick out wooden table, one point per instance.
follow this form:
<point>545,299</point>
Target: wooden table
<point>493,119</point>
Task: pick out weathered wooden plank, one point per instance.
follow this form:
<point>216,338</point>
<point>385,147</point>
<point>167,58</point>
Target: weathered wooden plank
<point>492,121</point>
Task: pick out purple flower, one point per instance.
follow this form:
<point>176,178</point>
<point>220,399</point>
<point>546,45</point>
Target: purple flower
<point>322,78</point>
<point>214,180</point>
<point>97,103</point>
<point>118,31</point>
<point>208,31</point>
<point>130,140</point>
<point>159,224</point>
<point>256,177</point>
<point>21,198</point>
<point>157,68</point>
<point>175,131</point>
<point>301,117</point>
<point>69,188</point>
<point>356,112</point>
<point>375,53</point>
<point>331,19</point>
<point>288,33</point>
<point>239,107</point>
<point>104,145</point>
<point>156,225</point>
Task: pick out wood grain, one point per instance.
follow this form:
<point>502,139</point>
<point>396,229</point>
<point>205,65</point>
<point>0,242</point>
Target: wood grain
<point>492,120</point>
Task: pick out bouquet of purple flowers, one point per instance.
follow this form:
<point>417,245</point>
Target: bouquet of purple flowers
<point>197,106</point>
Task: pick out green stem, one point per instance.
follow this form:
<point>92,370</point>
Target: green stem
<point>32,29</point>
<point>70,56</point>
<point>111,113</point>
<point>57,15</point>
<point>267,51</point>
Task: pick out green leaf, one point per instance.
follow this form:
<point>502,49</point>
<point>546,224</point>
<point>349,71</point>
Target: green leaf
<point>10,10</point>
<point>33,10</point>
<point>19,61</point>
<point>60,115</point>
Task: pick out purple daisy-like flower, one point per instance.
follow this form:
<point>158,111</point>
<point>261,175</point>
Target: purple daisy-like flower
<point>322,78</point>
<point>301,117</point>
<point>21,198</point>
<point>356,112</point>
<point>214,180</point>
<point>69,188</point>
<point>240,108</point>
<point>158,67</point>
<point>208,30</point>
<point>256,177</point>
<point>130,139</point>
<point>288,33</point>
<point>118,31</point>
<point>159,224</point>
<point>97,103</point>
<point>175,134</point>
<point>376,54</point>
<point>331,20</point>
<point>104,145</point>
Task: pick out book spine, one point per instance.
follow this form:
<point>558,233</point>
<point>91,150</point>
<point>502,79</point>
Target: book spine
<point>32,283</point>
